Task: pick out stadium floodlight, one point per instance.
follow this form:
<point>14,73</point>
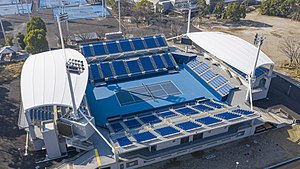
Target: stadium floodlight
<point>258,41</point>
<point>189,17</point>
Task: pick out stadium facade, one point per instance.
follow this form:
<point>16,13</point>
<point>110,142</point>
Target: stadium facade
<point>133,102</point>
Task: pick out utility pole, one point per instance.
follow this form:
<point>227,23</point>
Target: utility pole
<point>258,41</point>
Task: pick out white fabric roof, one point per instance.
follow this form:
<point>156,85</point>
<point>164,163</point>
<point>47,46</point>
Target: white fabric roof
<point>44,79</point>
<point>230,49</point>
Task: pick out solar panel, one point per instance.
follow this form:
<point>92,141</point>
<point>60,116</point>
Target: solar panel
<point>186,111</point>
<point>116,127</point>
<point>225,89</point>
<point>150,42</point>
<point>208,120</point>
<point>119,67</point>
<point>158,62</point>
<point>166,131</point>
<point>124,141</point>
<point>161,41</point>
<point>140,137</point>
<point>167,114</point>
<point>125,45</point>
<point>188,125</point>
<point>193,63</point>
<point>150,119</point>
<point>227,115</point>
<point>202,107</point>
<point>132,123</point>
<point>105,68</point>
<point>99,49</point>
<point>112,47</point>
<point>138,44</point>
<point>201,68</point>
<point>133,66</point>
<point>208,75</point>
<point>218,81</point>
<point>146,63</point>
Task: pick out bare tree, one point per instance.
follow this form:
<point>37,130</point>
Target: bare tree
<point>290,47</point>
<point>85,37</point>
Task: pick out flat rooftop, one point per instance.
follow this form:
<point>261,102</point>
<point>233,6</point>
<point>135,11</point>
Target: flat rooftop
<point>104,97</point>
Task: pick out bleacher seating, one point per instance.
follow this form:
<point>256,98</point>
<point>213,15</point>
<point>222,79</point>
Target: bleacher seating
<point>146,64</point>
<point>158,61</point>
<point>124,141</point>
<point>145,136</point>
<point>39,115</point>
<point>202,107</point>
<point>150,119</point>
<point>213,104</point>
<point>227,116</point>
<point>150,42</point>
<point>112,47</point>
<point>132,123</point>
<point>171,64</point>
<point>207,76</point>
<point>125,45</point>
<point>218,81</point>
<point>186,111</point>
<point>129,46</point>
<point>243,112</point>
<point>106,70</point>
<point>165,131</point>
<point>201,68</point>
<point>134,67</point>
<point>194,63</point>
<point>119,68</point>
<point>94,72</point>
<point>225,89</point>
<point>208,120</point>
<point>188,125</point>
<point>167,114</point>
<point>117,127</point>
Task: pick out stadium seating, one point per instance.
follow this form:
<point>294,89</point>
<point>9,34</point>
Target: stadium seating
<point>161,41</point>
<point>134,67</point>
<point>146,64</point>
<point>138,44</point>
<point>186,111</point>
<point>150,42</point>
<point>227,116</point>
<point>125,45</point>
<point>207,76</point>
<point>208,120</point>
<point>132,123</point>
<point>188,125</point>
<point>218,81</point>
<point>194,63</point>
<point>202,107</point>
<point>119,68</point>
<point>98,49</point>
<point>213,104</point>
<point>243,112</point>
<point>201,68</point>
<point>117,127</point>
<point>167,114</point>
<point>158,61</point>
<point>225,89</point>
<point>112,47</point>
<point>165,131</point>
<point>169,60</point>
<point>106,70</point>
<point>150,119</point>
<point>144,136</point>
<point>124,141</point>
<point>39,115</point>
<point>86,51</point>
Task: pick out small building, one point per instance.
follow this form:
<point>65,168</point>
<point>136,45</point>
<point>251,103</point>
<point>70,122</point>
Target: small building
<point>8,53</point>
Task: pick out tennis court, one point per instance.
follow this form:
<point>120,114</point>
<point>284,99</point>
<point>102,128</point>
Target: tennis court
<point>12,9</point>
<point>56,3</point>
<point>83,12</point>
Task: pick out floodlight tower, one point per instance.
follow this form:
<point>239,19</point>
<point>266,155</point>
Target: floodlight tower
<point>119,6</point>
<point>189,23</point>
<point>258,41</point>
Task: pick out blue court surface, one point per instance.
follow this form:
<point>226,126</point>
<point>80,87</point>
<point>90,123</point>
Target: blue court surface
<point>82,12</point>
<point>13,9</point>
<point>100,98</point>
<point>56,3</point>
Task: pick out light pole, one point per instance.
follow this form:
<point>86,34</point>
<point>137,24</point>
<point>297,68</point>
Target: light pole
<point>2,27</point>
<point>189,23</point>
<point>236,164</point>
<point>119,6</point>
<point>258,40</point>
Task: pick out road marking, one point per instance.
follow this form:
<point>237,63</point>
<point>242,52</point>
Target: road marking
<point>97,158</point>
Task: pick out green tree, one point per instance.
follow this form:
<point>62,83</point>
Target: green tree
<point>219,9</point>
<point>20,39</point>
<point>243,10</point>
<point>36,41</point>
<point>9,40</point>
<point>203,8</point>
<point>35,23</point>
<point>235,11</point>
<point>146,8</point>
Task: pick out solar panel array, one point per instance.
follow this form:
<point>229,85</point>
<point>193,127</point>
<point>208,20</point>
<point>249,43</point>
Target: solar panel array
<point>124,46</point>
<point>122,69</point>
<point>219,83</point>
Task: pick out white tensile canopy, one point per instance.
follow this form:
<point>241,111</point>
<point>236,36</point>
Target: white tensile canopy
<point>230,49</point>
<point>44,79</point>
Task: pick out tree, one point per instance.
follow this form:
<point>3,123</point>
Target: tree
<point>146,8</point>
<point>243,10</point>
<point>35,23</point>
<point>9,40</point>
<point>36,41</point>
<point>291,49</point>
<point>282,8</point>
<point>232,12</point>
<point>20,39</point>
<point>203,9</point>
<point>219,9</point>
